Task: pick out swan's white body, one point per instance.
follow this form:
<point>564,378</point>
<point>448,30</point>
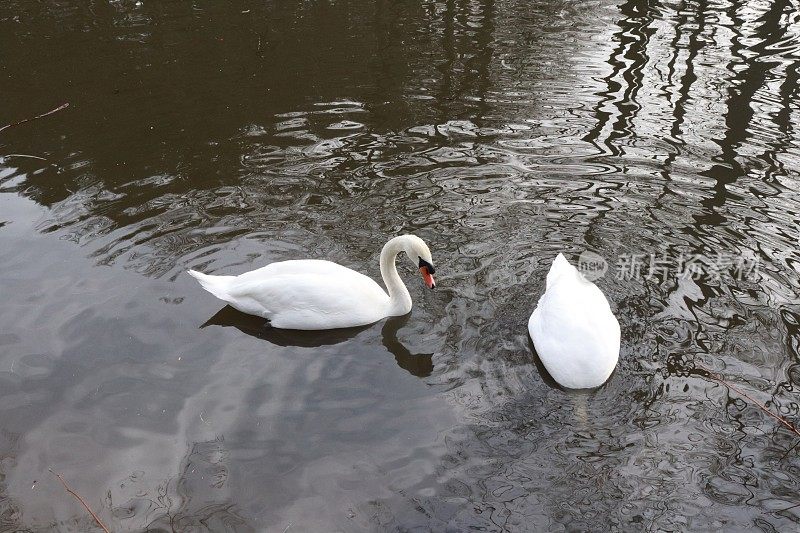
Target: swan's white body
<point>573,329</point>
<point>312,294</point>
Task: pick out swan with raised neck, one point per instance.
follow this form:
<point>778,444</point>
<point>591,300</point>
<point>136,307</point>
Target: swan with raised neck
<point>316,294</point>
<point>399,297</point>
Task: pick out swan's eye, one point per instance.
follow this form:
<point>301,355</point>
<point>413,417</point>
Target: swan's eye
<point>423,263</point>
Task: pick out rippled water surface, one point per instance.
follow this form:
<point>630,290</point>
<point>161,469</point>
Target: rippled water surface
<point>223,136</point>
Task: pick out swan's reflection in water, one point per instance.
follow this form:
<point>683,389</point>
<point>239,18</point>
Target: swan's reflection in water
<point>260,328</point>
<point>420,365</point>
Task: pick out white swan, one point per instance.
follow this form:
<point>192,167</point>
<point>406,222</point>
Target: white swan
<point>312,294</point>
<point>573,329</point>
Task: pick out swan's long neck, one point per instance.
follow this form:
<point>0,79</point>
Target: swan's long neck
<point>400,299</point>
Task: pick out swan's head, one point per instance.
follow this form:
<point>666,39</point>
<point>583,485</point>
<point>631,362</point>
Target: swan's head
<point>419,254</point>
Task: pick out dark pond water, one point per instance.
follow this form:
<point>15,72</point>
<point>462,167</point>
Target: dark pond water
<point>222,137</point>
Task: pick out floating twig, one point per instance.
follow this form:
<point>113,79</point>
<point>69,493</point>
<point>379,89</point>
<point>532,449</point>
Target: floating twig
<point>788,508</point>
<point>83,502</point>
<point>779,418</point>
<point>761,406</point>
<point>790,450</point>
<point>59,108</point>
<point>25,155</point>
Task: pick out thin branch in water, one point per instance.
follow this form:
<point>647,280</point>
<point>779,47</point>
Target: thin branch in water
<point>788,508</point>
<point>83,502</point>
<point>59,108</point>
<point>783,421</point>
<point>761,406</point>
<point>790,450</point>
<point>26,155</point>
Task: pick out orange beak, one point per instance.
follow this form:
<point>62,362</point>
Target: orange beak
<point>427,277</point>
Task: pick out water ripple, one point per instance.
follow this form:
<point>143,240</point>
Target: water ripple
<point>503,133</point>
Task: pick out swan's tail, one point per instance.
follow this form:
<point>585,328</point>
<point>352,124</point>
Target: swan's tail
<point>216,285</point>
<point>560,266</point>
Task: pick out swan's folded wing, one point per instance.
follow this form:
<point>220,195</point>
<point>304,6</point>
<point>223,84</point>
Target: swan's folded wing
<point>312,301</point>
<point>296,267</point>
